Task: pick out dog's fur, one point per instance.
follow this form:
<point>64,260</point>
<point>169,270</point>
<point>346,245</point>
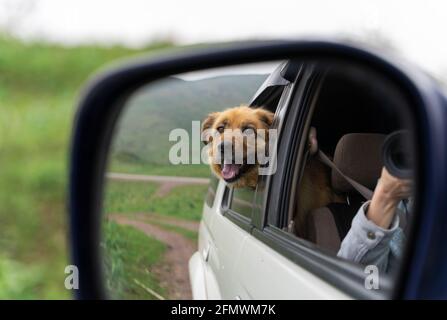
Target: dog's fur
<point>237,118</point>
<point>314,189</point>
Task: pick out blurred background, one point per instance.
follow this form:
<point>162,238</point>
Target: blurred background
<point>49,48</point>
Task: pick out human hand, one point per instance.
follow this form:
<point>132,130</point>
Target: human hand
<point>387,195</point>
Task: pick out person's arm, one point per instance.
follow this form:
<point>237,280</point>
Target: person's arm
<point>374,225</point>
<point>366,243</point>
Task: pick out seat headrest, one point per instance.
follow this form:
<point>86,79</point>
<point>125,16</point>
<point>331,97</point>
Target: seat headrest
<point>358,156</point>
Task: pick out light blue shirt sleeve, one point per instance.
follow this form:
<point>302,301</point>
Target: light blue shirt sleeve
<point>366,243</point>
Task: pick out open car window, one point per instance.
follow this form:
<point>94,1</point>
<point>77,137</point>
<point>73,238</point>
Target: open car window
<point>350,113</point>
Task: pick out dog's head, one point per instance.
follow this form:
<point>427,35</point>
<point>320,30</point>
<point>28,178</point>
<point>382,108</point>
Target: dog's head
<point>236,137</point>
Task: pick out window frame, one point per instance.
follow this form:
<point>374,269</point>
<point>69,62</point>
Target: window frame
<point>280,115</point>
<point>237,218</point>
<point>276,86</point>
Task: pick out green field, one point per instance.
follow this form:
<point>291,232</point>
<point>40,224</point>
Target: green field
<point>39,89</point>
<point>191,235</point>
<point>39,86</point>
<point>194,170</point>
<point>183,202</point>
<point>129,257</point>
<point>130,254</point>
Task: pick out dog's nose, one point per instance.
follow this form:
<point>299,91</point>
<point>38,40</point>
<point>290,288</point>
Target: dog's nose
<point>225,147</point>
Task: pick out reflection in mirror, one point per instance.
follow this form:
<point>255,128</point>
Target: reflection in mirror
<point>194,165</point>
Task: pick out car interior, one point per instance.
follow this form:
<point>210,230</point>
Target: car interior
<point>352,115</point>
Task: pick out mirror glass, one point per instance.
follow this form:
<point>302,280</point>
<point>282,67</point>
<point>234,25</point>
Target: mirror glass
<point>320,153</point>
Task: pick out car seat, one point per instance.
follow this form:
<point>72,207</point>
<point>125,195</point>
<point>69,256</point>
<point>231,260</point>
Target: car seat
<point>356,168</point>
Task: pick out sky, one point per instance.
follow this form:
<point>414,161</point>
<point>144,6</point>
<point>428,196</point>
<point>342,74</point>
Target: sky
<point>417,29</point>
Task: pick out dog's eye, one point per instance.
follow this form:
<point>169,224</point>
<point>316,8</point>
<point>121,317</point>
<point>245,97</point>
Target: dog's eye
<point>248,131</point>
<point>220,129</point>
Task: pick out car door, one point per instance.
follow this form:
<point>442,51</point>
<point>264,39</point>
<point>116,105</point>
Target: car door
<point>231,225</point>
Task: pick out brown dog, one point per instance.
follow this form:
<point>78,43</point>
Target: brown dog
<point>244,123</point>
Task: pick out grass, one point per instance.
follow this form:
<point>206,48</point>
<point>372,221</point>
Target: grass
<point>183,202</point>
<point>17,280</point>
<point>129,257</point>
<point>123,196</point>
<point>45,68</point>
<point>129,253</point>
<point>191,235</point>
<point>39,88</point>
<point>39,85</point>
<point>190,170</point>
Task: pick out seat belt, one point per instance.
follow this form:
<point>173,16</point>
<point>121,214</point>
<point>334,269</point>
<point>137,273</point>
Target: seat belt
<point>364,191</point>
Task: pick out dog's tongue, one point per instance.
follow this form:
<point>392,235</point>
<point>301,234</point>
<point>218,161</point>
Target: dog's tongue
<point>229,171</point>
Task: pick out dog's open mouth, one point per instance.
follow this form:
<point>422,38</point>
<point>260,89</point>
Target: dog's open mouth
<point>231,172</point>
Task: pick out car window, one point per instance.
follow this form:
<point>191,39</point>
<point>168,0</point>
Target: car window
<point>242,201</point>
<point>349,131</point>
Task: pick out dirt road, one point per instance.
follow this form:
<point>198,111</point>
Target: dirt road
<point>166,183</point>
<point>172,272</point>
<point>159,179</point>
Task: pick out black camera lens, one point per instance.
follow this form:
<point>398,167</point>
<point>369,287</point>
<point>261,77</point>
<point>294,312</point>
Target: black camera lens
<point>397,156</point>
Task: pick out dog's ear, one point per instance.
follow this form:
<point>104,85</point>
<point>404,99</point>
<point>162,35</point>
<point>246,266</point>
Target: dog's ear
<point>207,123</point>
<point>265,116</point>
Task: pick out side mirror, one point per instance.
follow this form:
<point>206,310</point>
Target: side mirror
<point>404,98</point>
